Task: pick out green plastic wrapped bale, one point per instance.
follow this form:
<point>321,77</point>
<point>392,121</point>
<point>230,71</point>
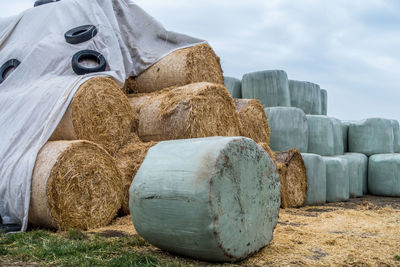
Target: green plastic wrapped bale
<point>371,136</point>
<point>337,179</point>
<point>345,132</point>
<point>384,175</point>
<point>213,199</point>
<point>316,179</point>
<point>234,86</point>
<point>324,102</point>
<point>325,135</point>
<point>271,87</point>
<point>396,136</point>
<point>363,170</point>
<point>306,96</point>
<point>356,171</point>
<point>288,128</point>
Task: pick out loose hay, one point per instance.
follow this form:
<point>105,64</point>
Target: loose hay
<point>292,173</point>
<point>100,113</point>
<point>185,66</point>
<point>75,184</point>
<point>253,120</point>
<point>191,111</point>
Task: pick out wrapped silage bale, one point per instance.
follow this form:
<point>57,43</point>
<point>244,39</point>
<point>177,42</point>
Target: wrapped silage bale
<point>345,132</point>
<point>214,199</point>
<point>371,136</point>
<point>337,179</point>
<point>384,175</point>
<point>316,178</point>
<point>270,87</point>
<point>363,170</point>
<point>234,86</point>
<point>325,135</point>
<point>306,96</point>
<point>324,102</point>
<point>396,136</point>
<point>288,127</point>
<point>356,172</point>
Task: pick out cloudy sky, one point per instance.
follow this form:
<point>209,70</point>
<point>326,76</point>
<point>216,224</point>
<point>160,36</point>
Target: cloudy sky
<point>351,48</point>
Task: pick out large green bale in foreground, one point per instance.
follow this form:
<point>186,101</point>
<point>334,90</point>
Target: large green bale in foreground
<point>288,127</point>
<point>396,136</point>
<point>345,132</point>
<point>324,102</point>
<point>357,171</point>
<point>214,199</point>
<point>337,179</point>
<point>316,179</point>
<point>384,175</point>
<point>371,136</point>
<point>306,96</point>
<point>325,136</point>
<point>363,170</point>
<point>271,87</point>
<point>234,86</point>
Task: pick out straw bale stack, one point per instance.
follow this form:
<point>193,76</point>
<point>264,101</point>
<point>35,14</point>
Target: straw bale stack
<point>253,120</point>
<point>191,111</point>
<point>75,184</point>
<point>100,113</point>
<point>292,173</point>
<point>184,66</point>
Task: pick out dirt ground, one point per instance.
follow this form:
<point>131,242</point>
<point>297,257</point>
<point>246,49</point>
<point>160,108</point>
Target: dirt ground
<point>362,232</point>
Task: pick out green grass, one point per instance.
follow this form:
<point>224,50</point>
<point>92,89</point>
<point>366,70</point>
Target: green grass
<point>397,258</point>
<point>75,248</point>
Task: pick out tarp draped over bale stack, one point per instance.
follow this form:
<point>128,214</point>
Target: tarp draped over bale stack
<point>184,66</point>
<point>384,175</point>
<point>306,96</point>
<point>345,132</point>
<point>356,171</point>
<point>396,136</point>
<point>190,111</point>
<point>100,113</point>
<point>337,179</point>
<point>270,87</point>
<point>75,184</point>
<point>292,173</point>
<point>214,199</point>
<point>325,135</point>
<point>288,127</point>
<point>253,120</point>
<point>362,171</point>
<point>324,102</point>
<point>316,179</point>
<point>234,86</point>
<point>371,136</point>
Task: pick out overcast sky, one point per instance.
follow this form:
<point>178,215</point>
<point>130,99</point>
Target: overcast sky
<point>351,48</point>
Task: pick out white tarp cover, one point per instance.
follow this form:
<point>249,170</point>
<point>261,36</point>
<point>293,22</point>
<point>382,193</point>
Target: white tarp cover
<point>35,96</point>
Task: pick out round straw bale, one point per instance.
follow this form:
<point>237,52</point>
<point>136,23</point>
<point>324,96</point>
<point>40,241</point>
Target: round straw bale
<point>306,96</point>
<point>316,179</point>
<point>269,151</point>
<point>384,175</point>
<point>194,64</point>
<point>75,184</point>
<point>234,86</point>
<point>337,179</point>
<point>292,173</point>
<point>253,120</point>
<point>396,135</point>
<point>214,199</point>
<point>324,102</point>
<point>191,111</point>
<point>100,113</point>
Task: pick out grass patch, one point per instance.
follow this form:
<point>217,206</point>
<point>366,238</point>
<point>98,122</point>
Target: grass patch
<point>74,248</point>
<point>397,258</point>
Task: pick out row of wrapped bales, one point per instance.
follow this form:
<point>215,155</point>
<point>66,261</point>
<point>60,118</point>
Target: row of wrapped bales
<point>384,175</point>
<point>316,178</point>
<point>289,128</point>
<point>215,199</point>
<point>306,96</point>
<point>234,86</point>
<point>324,102</point>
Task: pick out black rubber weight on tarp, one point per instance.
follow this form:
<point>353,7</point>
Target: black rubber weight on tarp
<point>12,63</point>
<point>80,34</point>
<point>42,2</point>
<point>88,54</point>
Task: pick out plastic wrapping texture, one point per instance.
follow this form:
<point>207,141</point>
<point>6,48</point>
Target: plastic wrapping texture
<point>306,96</point>
<point>356,172</point>
<point>288,127</point>
<point>324,102</point>
<point>270,87</point>
<point>345,132</point>
<point>384,175</point>
<point>337,179</point>
<point>363,169</point>
<point>371,136</point>
<point>316,179</point>
<point>396,136</point>
<point>214,199</point>
<point>234,86</point>
<point>325,135</point>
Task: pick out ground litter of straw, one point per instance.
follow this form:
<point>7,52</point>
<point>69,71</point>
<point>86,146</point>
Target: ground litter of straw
<point>361,232</point>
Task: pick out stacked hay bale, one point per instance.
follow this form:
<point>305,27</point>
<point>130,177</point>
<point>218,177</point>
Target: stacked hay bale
<point>345,132</point>
<point>316,178</point>
<point>234,86</point>
<point>384,175</point>
<point>324,102</point>
<point>396,136</point>
<point>306,96</point>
